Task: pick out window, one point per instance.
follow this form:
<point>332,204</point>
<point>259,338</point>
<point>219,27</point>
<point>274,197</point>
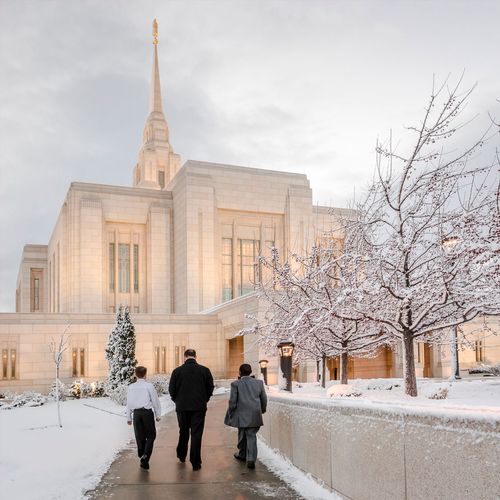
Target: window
<point>179,354</point>
<point>161,178</point>
<point>74,361</point>
<point>163,359</point>
<point>82,362</point>
<point>5,363</point>
<point>36,294</point>
<point>78,362</point>
<point>136,268</point>
<point>13,359</point>
<point>480,355</point>
<point>9,362</point>
<point>124,268</point>
<point>111,267</point>
<point>248,251</point>
<point>227,269</point>
<point>420,353</point>
<point>35,289</point>
<point>157,360</point>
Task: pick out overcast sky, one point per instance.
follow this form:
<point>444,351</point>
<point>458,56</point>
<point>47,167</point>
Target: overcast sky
<point>304,86</point>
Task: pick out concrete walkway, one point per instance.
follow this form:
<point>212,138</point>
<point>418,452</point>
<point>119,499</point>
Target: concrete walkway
<point>221,477</point>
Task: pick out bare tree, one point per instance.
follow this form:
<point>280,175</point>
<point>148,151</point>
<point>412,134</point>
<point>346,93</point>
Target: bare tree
<point>417,283</point>
<point>307,304</point>
<point>57,348</point>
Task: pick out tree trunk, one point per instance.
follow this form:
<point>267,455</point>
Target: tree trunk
<point>323,370</point>
<point>410,377</point>
<point>318,376</point>
<point>454,370</point>
<point>57,396</point>
<point>344,360</point>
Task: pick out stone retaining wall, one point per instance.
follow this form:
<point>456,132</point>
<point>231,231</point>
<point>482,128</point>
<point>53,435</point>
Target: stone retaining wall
<point>364,452</point>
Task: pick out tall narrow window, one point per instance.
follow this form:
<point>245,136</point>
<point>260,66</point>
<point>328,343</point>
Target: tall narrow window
<point>163,359</point>
<point>5,363</point>
<point>111,267</point>
<point>420,357</point>
<point>157,360</point>
<point>74,362</point>
<point>248,251</point>
<point>82,362</point>
<point>161,178</point>
<point>36,276</point>
<point>13,359</point>
<point>136,268</point>
<point>36,294</point>
<point>480,351</point>
<point>227,269</point>
<point>177,355</point>
<point>124,268</point>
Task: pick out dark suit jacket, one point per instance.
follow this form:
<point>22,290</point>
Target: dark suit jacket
<point>247,403</point>
<point>191,386</point>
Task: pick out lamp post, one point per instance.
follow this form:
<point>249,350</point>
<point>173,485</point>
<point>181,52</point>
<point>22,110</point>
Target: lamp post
<point>263,369</point>
<point>286,353</point>
<point>449,245</point>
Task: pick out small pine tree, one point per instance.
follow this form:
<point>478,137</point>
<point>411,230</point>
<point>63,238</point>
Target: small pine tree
<point>120,352</point>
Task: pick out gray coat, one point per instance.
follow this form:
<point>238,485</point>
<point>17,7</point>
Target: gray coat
<point>247,403</point>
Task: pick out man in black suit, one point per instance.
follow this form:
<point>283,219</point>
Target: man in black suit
<point>191,386</point>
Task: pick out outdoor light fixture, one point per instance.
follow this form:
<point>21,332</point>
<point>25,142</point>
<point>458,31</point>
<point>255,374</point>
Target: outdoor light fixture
<point>286,352</point>
<point>286,349</point>
<point>450,242</point>
<point>263,369</point>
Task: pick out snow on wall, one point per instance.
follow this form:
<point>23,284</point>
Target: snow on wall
<point>388,451</point>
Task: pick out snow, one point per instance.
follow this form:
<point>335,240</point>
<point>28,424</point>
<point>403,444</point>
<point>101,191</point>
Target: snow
<point>297,479</point>
<point>39,460</point>
<point>472,397</point>
<point>220,390</point>
<point>343,391</point>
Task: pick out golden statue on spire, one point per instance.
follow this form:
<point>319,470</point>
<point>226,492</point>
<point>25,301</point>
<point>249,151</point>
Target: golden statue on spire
<point>155,32</point>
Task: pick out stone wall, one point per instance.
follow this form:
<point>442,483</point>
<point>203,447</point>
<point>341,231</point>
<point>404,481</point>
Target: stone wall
<point>389,453</point>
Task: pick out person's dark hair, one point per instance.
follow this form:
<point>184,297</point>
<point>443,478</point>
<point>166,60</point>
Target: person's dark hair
<point>140,371</point>
<point>245,370</point>
<point>190,353</point>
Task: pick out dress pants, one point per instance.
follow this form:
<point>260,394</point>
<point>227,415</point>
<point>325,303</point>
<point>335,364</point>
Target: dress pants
<point>190,422</point>
<point>247,443</point>
<point>145,431</point>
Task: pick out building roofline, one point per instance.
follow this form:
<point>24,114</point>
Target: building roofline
<point>124,190</point>
<point>259,170</point>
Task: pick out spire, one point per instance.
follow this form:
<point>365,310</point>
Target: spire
<point>157,163</point>
<point>155,103</point>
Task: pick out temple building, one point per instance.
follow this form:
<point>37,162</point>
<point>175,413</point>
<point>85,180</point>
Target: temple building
<point>180,249</point>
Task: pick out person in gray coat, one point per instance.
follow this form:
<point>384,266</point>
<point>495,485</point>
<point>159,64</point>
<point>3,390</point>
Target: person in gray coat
<point>247,403</point>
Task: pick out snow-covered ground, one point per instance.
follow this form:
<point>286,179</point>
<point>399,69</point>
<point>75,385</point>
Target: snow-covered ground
<point>472,396</point>
<point>40,461</point>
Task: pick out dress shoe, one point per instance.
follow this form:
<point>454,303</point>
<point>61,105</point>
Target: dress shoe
<point>239,458</point>
<point>182,460</point>
<point>144,462</point>
<point>196,467</point>
<point>251,465</point>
